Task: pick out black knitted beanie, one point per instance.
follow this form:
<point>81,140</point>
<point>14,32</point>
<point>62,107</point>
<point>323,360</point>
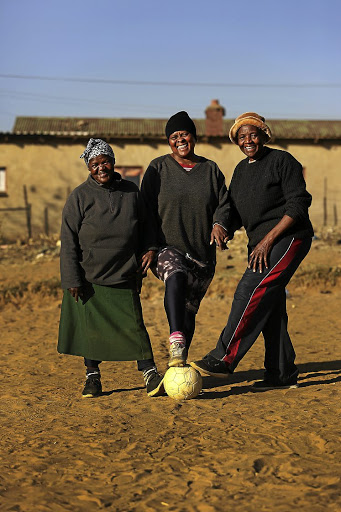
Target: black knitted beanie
<point>180,121</point>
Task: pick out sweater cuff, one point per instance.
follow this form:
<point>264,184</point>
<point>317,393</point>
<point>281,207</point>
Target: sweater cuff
<point>294,214</point>
<point>71,284</point>
<point>150,248</point>
<point>219,224</point>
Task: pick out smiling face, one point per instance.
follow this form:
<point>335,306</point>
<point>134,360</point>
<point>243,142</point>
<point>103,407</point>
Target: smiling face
<point>251,141</point>
<point>101,168</point>
<point>182,144</point>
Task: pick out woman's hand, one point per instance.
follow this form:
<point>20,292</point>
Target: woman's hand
<point>219,236</point>
<point>146,260</point>
<point>76,292</point>
<point>260,254</point>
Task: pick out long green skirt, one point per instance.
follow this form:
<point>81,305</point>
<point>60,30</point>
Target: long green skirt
<point>105,325</point>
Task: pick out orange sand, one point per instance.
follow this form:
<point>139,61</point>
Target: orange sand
<point>229,449</point>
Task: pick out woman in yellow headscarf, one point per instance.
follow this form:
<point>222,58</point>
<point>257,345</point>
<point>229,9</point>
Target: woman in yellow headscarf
<point>268,197</point>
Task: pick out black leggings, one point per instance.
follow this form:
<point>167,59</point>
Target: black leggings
<point>179,318</point>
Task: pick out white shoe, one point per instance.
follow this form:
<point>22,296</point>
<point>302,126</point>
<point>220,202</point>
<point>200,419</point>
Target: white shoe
<point>177,354</point>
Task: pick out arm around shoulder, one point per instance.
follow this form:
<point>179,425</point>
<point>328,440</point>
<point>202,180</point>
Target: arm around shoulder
<point>150,188</point>
<point>222,211</point>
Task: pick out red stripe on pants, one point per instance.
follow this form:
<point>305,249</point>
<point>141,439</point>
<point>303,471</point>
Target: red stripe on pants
<point>257,295</point>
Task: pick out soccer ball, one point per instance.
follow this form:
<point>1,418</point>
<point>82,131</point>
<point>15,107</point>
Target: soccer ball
<point>182,382</point>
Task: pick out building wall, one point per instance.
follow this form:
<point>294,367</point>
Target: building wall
<point>51,171</point>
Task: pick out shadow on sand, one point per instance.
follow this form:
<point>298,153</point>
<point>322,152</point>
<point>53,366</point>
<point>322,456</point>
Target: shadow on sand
<point>108,393</point>
<point>307,371</point>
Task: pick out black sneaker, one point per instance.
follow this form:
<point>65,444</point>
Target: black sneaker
<point>93,387</point>
<point>265,385</point>
<point>209,365</point>
<point>154,383</point>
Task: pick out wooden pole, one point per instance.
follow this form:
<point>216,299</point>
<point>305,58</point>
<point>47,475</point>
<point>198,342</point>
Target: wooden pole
<point>28,213</point>
<point>335,215</point>
<point>325,203</point>
<point>46,220</point>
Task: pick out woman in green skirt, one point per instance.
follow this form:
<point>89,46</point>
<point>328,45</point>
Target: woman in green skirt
<point>101,241</point>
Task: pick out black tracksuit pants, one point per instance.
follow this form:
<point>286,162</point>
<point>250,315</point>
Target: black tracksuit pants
<point>259,305</point>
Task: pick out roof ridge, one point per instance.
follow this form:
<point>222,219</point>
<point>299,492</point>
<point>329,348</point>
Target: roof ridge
<point>115,127</point>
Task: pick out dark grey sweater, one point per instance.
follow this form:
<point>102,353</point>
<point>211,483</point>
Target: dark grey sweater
<point>263,191</point>
<point>101,234</point>
<point>184,205</point>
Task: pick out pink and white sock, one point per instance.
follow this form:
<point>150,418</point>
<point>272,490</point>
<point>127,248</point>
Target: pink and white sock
<point>177,337</point>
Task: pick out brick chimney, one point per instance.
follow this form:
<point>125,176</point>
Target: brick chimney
<point>214,119</point>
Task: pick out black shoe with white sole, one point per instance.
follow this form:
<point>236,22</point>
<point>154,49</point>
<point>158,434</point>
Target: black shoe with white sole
<point>265,385</point>
<point>93,386</point>
<point>209,365</point>
<point>154,382</point>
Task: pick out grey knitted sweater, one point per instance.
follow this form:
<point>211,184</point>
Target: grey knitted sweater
<point>102,234</point>
<point>184,205</point>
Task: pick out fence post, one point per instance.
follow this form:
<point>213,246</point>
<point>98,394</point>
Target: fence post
<point>46,220</point>
<point>28,214</point>
<point>325,203</point>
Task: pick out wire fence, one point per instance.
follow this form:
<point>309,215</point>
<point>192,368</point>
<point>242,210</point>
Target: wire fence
<point>331,204</point>
<point>26,210</point>
<point>326,211</point>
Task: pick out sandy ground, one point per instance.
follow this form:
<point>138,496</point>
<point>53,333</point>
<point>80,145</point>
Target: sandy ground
<point>228,449</point>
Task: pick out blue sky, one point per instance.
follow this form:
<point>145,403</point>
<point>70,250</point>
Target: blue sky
<point>250,48</point>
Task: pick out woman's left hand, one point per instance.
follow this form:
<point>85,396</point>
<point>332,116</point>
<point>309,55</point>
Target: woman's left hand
<point>260,254</point>
<point>219,236</point>
<point>146,260</point>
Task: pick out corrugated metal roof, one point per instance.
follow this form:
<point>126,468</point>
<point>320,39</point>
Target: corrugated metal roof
<point>154,128</point>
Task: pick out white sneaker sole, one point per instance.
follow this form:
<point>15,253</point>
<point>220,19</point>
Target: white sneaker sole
<point>176,362</point>
<point>268,388</point>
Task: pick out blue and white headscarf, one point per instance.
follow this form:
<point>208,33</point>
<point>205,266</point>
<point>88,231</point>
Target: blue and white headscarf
<point>96,147</point>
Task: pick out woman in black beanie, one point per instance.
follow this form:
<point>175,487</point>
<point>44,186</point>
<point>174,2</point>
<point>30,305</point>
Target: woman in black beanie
<point>186,199</point>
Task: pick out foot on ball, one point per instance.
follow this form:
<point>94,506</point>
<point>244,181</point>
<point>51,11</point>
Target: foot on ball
<point>209,365</point>
<point>177,354</point>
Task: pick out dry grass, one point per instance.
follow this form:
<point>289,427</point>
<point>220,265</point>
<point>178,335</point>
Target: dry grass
<point>319,277</point>
<point>229,269</point>
<point>23,291</point>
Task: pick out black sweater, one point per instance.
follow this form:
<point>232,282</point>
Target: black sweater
<point>262,192</point>
<point>184,205</point>
<point>101,234</point>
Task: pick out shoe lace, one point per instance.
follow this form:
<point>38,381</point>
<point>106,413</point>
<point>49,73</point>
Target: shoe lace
<point>150,375</point>
<point>93,375</point>
<point>94,378</point>
<point>177,347</point>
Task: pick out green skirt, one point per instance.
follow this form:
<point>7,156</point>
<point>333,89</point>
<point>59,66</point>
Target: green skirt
<point>105,325</point>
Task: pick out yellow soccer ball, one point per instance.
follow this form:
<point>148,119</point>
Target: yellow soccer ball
<point>182,382</point>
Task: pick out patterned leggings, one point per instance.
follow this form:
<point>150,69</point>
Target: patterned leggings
<point>186,282</point>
